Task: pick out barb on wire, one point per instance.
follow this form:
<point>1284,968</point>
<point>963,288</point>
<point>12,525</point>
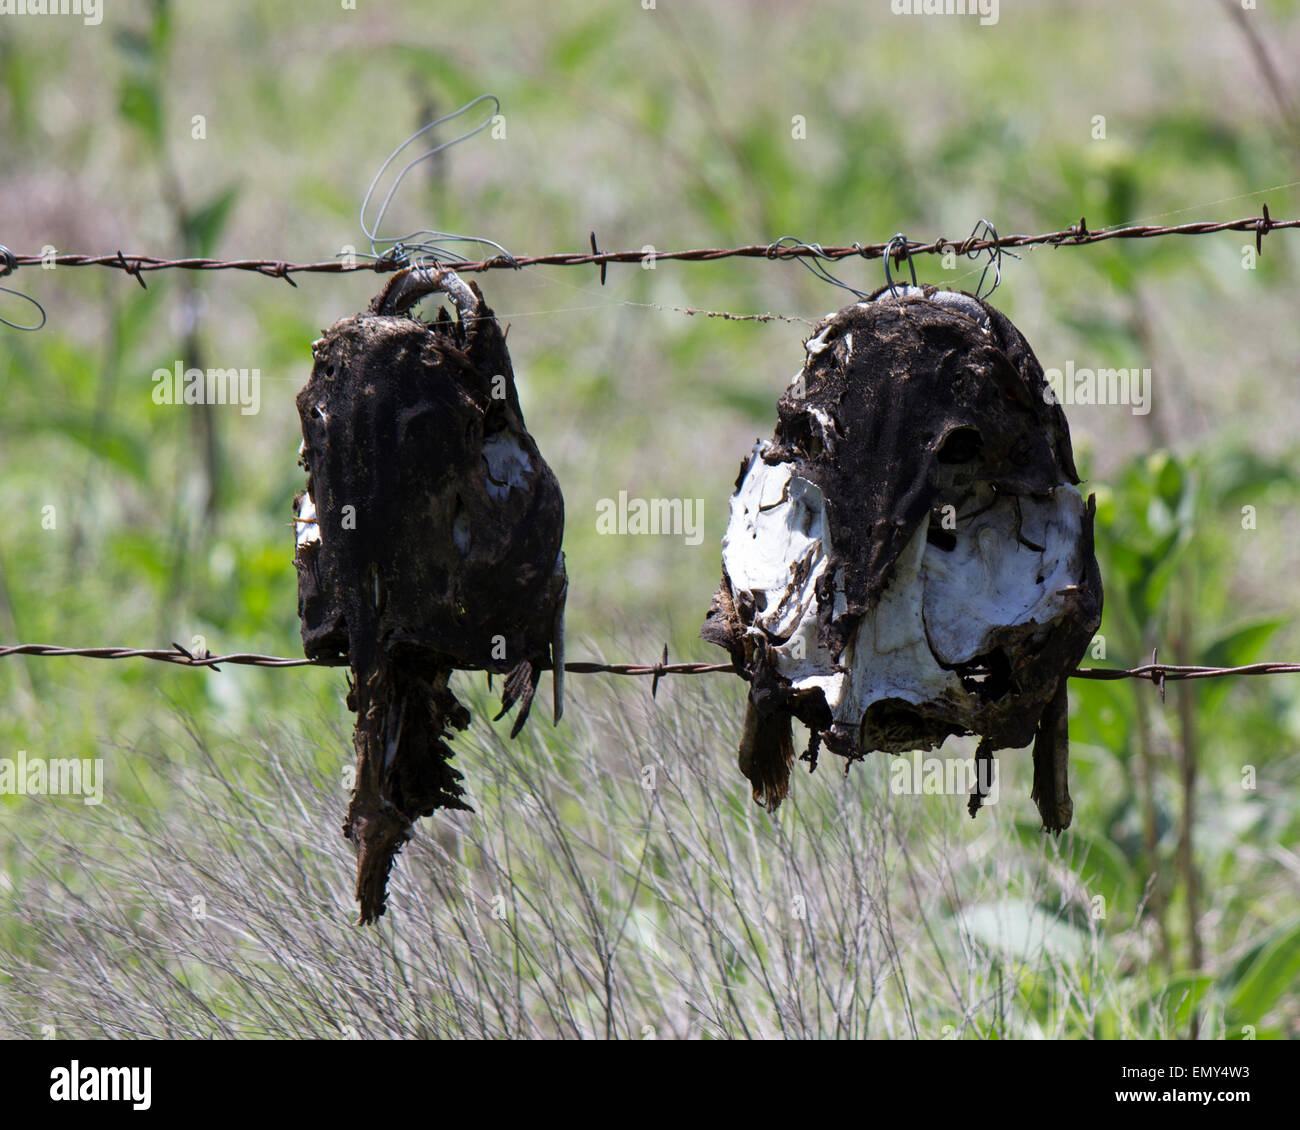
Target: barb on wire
<point>1153,672</point>
<point>426,245</point>
<point>1076,235</point>
<point>9,264</point>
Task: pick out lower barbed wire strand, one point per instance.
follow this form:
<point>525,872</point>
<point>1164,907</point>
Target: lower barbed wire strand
<point>1151,672</point>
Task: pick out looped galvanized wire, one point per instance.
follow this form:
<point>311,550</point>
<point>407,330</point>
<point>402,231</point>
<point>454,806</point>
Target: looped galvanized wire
<point>813,263</point>
<point>394,259</point>
<point>983,230</point>
<point>8,265</point>
<point>428,251</point>
<point>896,242</point>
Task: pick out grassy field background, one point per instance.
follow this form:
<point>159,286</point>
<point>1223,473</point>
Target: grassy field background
<point>210,892</point>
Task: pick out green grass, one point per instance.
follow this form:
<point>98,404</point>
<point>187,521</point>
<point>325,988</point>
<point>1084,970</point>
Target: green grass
<point>614,881</point>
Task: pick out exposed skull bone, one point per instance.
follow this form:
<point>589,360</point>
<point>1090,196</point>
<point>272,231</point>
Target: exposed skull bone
<point>909,558</point>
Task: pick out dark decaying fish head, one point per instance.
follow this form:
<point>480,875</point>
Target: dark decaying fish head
<point>909,558</point>
<point>429,540</point>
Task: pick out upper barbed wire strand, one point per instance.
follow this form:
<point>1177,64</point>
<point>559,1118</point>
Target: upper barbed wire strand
<point>1075,236</point>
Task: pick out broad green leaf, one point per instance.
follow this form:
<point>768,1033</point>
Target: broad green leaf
<point>1175,1004</point>
<point>141,104</point>
<point>112,444</point>
<point>1273,975</point>
<point>160,32</point>
<point>1239,647</point>
<point>135,316</point>
<point>1237,476</point>
<point>205,226</point>
<point>1103,712</point>
<point>570,52</point>
<point>1099,864</point>
<point>1017,929</point>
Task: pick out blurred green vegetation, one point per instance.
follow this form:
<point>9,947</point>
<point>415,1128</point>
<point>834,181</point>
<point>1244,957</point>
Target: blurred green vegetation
<point>671,127</point>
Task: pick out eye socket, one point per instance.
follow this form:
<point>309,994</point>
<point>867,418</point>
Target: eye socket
<point>960,445</point>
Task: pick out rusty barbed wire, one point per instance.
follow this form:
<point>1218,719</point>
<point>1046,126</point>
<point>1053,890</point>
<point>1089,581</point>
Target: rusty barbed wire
<point>1154,672</point>
<point>896,248</point>
<point>185,658</point>
<point>1074,236</point>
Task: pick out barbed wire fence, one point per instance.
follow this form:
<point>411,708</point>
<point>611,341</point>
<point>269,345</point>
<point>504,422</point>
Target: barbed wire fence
<point>1154,672</point>
<point>896,249</point>
<point>428,247</point>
